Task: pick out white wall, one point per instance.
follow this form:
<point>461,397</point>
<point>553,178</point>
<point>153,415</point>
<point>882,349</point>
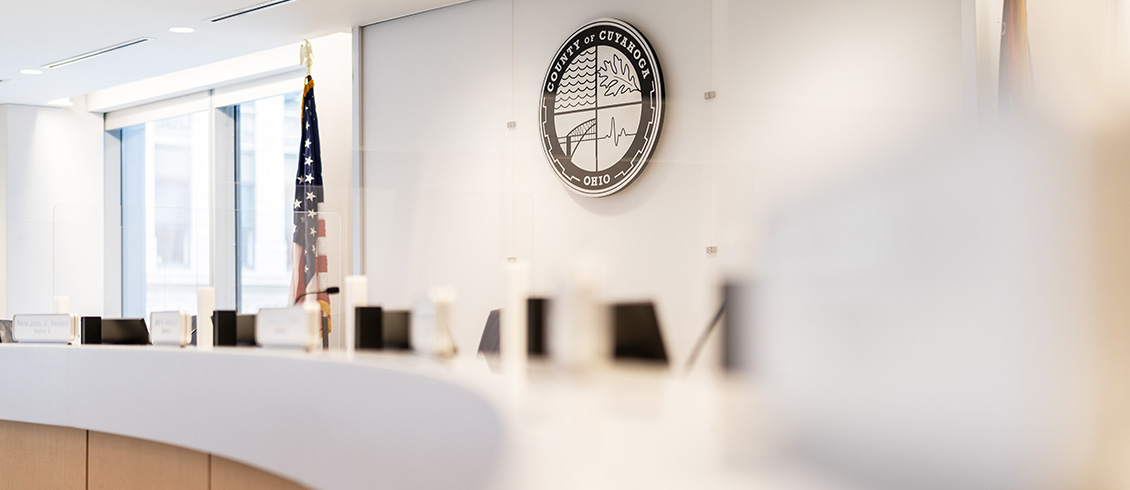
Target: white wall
<point>54,209</point>
<point>333,78</point>
<point>3,210</point>
<point>806,90</point>
<point>1075,47</point>
<point>814,92</point>
<point>436,100</point>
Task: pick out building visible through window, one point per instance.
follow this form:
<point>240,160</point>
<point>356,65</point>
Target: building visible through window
<point>268,143</point>
<point>165,214</point>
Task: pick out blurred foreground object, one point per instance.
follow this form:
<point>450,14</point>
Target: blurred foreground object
<point>959,321</point>
<point>1015,77</point>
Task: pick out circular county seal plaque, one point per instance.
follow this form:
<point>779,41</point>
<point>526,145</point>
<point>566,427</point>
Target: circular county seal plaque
<point>601,108</point>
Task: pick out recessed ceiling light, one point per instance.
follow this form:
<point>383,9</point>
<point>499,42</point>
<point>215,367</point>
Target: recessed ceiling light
<point>32,72</point>
<point>64,102</point>
<point>182,30</point>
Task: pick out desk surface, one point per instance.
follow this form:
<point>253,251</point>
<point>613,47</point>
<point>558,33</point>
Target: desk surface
<point>321,420</point>
<point>328,420</point>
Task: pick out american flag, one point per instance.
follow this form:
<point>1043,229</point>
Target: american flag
<point>309,228</point>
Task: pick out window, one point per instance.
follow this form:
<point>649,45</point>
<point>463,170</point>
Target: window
<point>165,218</point>
<point>267,155</point>
<point>206,192</point>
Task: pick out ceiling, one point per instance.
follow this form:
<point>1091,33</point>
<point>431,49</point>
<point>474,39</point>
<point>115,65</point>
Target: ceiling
<point>36,33</point>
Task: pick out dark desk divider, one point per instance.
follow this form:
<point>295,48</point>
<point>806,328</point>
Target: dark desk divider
<point>637,333</point>
<point>224,331</point>
<point>488,343</point>
<point>6,332</point>
<point>396,329</point>
<point>368,321</point>
<point>245,330</point>
<point>131,331</point>
<point>91,330</point>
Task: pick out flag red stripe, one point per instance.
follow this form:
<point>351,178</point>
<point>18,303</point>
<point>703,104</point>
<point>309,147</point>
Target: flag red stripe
<point>321,228</point>
<point>323,264</point>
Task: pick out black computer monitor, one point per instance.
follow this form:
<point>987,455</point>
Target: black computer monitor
<point>396,329</point>
<point>637,334</point>
<point>488,343</point>
<point>91,329</point>
<point>537,311</point>
<point>245,330</point>
<point>131,331</point>
<point>369,322</point>
<point>224,327</point>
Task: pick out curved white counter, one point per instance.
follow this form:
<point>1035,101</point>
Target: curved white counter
<point>322,420</point>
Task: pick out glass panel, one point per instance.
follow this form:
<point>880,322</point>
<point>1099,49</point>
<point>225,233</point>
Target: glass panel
<point>267,155</point>
<point>165,252</point>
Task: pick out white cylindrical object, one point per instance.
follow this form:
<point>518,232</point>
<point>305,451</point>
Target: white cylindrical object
<point>592,323</point>
<point>313,321</point>
<point>76,330</point>
<point>205,306</point>
<point>580,333</point>
<point>513,325</point>
<point>422,333</point>
<point>356,294</point>
<point>441,300</point>
<point>62,305</point>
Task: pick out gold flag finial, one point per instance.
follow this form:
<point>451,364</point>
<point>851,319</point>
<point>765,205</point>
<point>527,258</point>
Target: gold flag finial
<point>306,55</point>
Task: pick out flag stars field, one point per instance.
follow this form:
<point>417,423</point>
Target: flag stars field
<point>308,267</point>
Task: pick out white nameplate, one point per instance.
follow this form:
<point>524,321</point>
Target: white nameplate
<point>293,327</point>
<point>48,329</point>
<point>169,328</point>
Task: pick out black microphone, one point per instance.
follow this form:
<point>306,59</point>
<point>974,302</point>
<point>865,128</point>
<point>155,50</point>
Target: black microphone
<point>329,290</point>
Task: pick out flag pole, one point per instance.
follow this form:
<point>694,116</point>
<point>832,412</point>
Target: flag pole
<point>308,258</point>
